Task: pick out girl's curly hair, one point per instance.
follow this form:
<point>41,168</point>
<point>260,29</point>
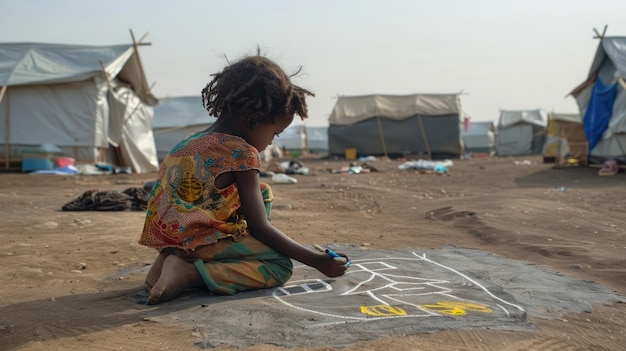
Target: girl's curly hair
<point>254,83</point>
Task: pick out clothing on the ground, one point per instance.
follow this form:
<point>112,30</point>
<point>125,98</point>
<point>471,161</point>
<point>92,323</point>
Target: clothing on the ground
<point>109,200</point>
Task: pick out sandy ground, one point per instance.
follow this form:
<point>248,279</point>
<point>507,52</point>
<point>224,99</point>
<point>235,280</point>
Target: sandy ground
<point>62,274</point>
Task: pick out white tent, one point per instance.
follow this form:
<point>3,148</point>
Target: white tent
<point>299,137</point>
<point>397,125</point>
<point>480,138</point>
<point>602,102</point>
<point>293,138</point>
<point>520,132</point>
<point>175,118</point>
<point>317,137</point>
<point>92,102</point>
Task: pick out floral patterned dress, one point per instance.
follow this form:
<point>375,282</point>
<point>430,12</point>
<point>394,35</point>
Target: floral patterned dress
<point>194,220</point>
<point>185,209</point>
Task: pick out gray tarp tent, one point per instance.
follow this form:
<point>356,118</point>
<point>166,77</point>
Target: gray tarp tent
<point>609,69</point>
<point>59,94</point>
<point>175,118</point>
<point>520,132</point>
<point>397,125</point>
<point>480,138</point>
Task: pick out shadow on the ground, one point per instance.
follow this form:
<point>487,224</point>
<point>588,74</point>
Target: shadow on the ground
<point>80,314</point>
<point>67,316</point>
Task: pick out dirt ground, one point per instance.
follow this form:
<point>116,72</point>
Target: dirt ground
<point>63,287</point>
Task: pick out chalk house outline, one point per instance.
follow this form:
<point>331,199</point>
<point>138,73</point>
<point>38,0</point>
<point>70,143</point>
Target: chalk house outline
<point>386,288</point>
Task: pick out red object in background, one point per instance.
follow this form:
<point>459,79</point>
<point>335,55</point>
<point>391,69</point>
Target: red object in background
<point>64,161</point>
<point>466,123</point>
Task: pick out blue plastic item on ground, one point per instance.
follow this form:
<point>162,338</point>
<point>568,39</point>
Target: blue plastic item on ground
<point>37,164</point>
<point>440,169</point>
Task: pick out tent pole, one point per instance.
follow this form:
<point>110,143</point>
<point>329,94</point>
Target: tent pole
<point>419,120</point>
<point>141,73</point>
<point>130,115</point>
<point>6,127</point>
<point>598,35</point>
<point>382,137</point>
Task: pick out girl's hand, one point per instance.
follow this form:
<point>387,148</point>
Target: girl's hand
<point>332,267</point>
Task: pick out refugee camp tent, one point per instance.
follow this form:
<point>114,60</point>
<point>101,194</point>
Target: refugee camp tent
<point>395,125</point>
<point>92,102</point>
<point>560,126</point>
<point>175,118</point>
<point>317,137</point>
<point>293,138</point>
<point>520,132</point>
<point>601,100</point>
<point>302,138</point>
<point>480,138</point>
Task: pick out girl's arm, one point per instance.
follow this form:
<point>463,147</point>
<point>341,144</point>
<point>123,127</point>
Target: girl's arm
<point>253,209</point>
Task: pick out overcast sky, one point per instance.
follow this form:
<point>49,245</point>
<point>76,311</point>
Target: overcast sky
<point>502,54</point>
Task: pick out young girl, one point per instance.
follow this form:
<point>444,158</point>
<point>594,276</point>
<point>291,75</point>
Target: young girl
<point>208,214</point>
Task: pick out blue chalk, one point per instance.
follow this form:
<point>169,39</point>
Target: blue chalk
<point>333,254</point>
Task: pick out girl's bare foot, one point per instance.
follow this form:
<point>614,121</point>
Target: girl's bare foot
<point>176,277</point>
<point>155,271</point>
